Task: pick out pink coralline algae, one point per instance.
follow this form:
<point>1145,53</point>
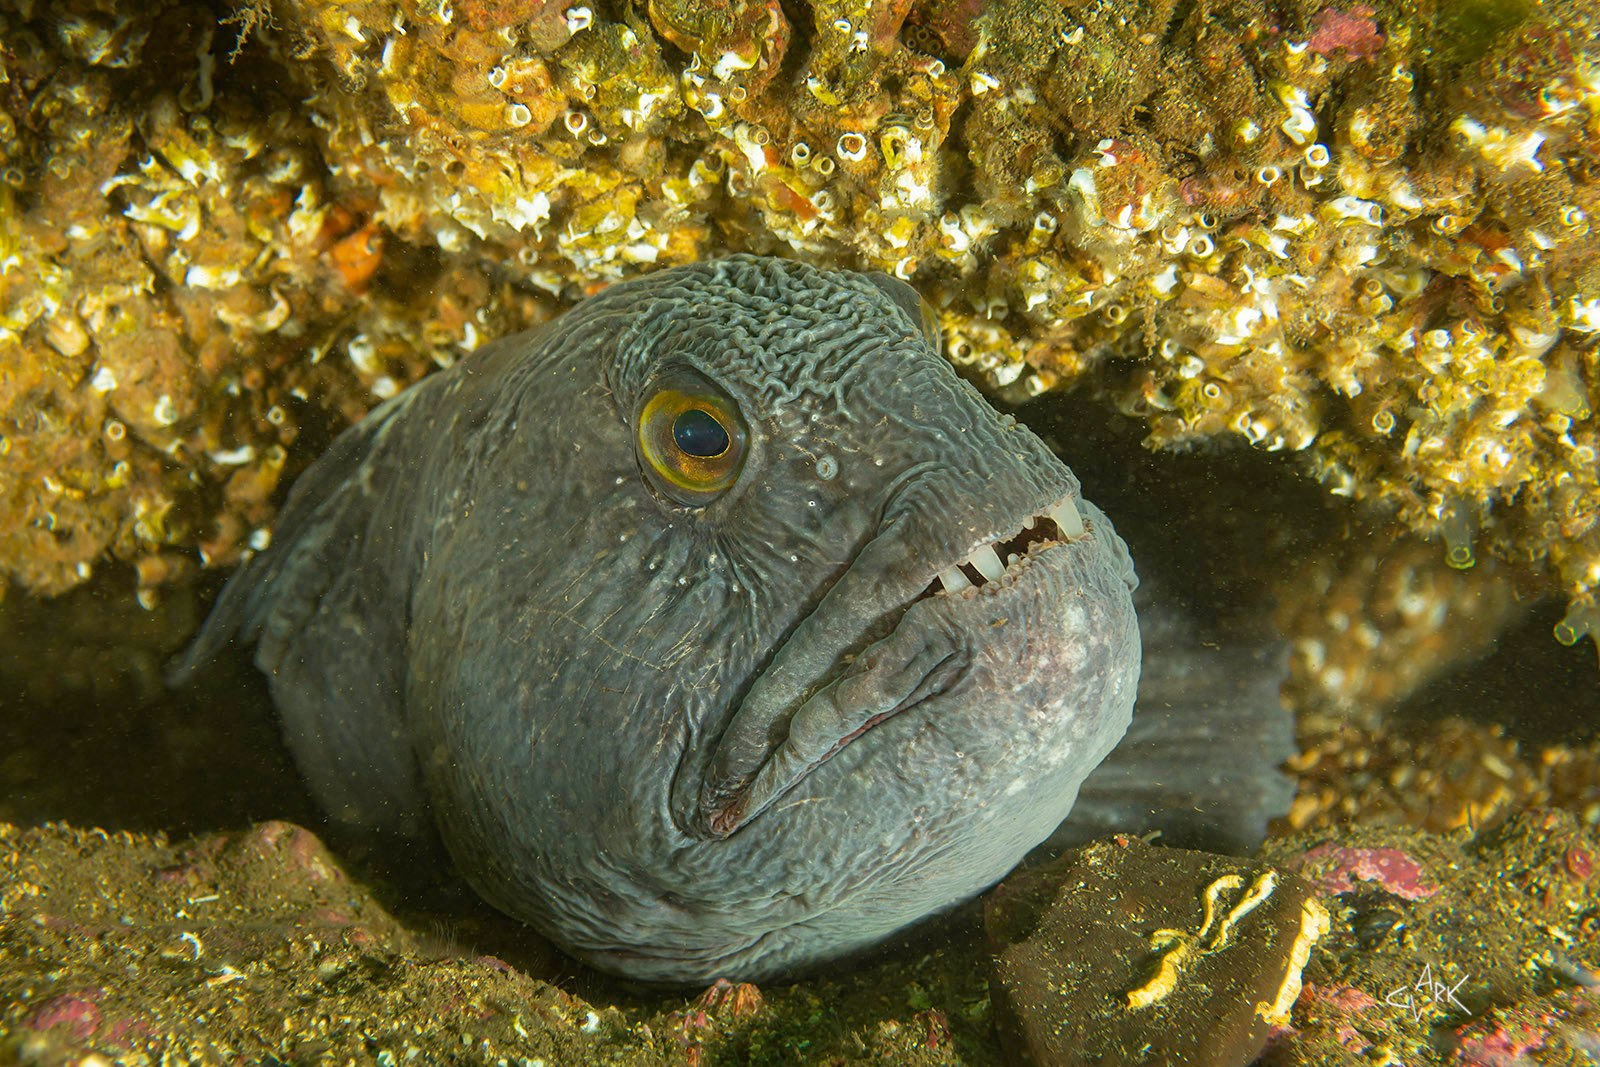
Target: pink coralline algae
<point>299,848</point>
<point>1393,870</point>
<point>78,1014</point>
<point>1580,863</point>
<point>1497,1048</point>
<point>1344,997</point>
<point>1354,33</point>
<point>1560,1028</point>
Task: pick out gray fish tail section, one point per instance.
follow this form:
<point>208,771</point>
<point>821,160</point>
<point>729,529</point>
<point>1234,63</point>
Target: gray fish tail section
<point>325,608</point>
<point>1202,759</point>
<point>305,539</point>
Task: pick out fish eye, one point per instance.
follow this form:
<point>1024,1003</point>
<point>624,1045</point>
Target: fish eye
<point>691,440</point>
<point>698,433</point>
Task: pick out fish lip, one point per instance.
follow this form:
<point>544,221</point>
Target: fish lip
<point>942,677</point>
<point>735,813</point>
<point>724,808</point>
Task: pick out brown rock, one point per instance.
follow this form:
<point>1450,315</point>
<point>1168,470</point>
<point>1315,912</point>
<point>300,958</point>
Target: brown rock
<point>1121,953</point>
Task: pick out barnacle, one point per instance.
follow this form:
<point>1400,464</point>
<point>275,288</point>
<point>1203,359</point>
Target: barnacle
<point>1581,620</point>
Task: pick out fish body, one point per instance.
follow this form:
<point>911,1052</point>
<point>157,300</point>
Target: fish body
<point>717,626</point>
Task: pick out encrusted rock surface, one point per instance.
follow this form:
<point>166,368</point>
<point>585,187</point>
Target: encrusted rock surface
<point>1449,949</point>
<point>257,945</point>
<point>1360,231</point>
<point>1451,775</point>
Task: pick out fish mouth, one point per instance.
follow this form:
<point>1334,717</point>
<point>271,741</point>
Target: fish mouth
<point>995,560</point>
<point>787,728</point>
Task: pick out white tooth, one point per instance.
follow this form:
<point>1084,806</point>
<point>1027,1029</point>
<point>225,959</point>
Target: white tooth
<point>954,581</point>
<point>1011,559</point>
<point>1028,523</point>
<point>987,560</point>
<point>1065,513</point>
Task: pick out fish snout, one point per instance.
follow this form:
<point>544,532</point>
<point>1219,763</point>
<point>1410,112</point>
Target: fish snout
<point>900,628</point>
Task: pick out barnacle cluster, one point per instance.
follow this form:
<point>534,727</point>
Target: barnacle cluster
<point>174,274</point>
<point>1451,775</point>
<point>1399,284</point>
<point>1362,232</point>
<point>1373,618</point>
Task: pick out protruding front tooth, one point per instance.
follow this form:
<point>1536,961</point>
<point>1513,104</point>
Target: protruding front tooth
<point>1029,522</point>
<point>954,581</point>
<point>1065,513</point>
<point>987,560</point>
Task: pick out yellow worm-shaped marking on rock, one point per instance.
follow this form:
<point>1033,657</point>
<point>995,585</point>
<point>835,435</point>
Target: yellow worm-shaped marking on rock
<point>1314,922</point>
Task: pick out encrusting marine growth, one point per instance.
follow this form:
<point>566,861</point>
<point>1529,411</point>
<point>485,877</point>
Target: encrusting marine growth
<point>1360,231</point>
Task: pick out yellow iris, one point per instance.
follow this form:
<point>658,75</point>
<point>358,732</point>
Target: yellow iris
<point>694,441</point>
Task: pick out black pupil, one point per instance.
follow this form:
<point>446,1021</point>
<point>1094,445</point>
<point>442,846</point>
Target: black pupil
<point>699,434</point>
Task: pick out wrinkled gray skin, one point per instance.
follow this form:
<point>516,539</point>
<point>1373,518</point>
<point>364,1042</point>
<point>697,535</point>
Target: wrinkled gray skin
<point>478,611</point>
